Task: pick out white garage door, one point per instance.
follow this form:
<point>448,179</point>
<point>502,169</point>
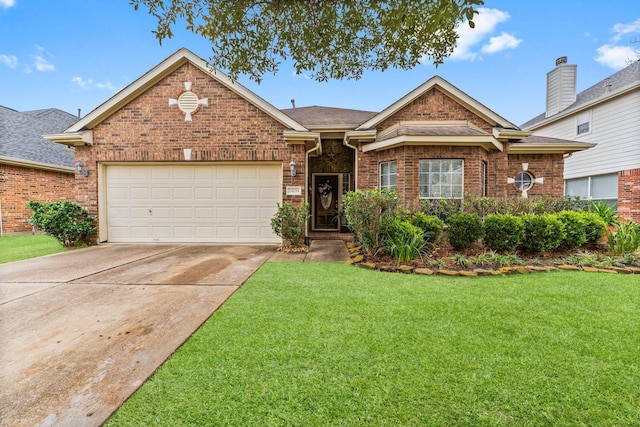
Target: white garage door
<point>192,203</point>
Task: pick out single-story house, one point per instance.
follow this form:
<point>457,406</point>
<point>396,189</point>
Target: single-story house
<point>184,154</point>
<point>32,167</point>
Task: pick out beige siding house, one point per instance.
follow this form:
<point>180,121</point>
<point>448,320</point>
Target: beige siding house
<point>608,114</point>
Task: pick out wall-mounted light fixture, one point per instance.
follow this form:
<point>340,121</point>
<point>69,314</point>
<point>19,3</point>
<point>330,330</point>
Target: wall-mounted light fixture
<point>187,153</point>
<point>81,170</point>
<point>292,168</point>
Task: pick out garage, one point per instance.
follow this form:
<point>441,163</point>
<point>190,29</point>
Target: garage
<point>181,203</point>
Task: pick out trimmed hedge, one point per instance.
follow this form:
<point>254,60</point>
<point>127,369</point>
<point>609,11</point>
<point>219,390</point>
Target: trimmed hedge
<point>574,230</point>
<point>464,230</point>
<point>542,232</point>
<point>503,233</point>
<point>431,226</point>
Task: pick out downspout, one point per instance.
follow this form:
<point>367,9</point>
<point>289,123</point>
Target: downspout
<point>1,230</point>
<point>317,147</point>
<point>345,142</point>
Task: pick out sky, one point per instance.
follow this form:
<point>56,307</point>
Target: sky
<point>76,54</point>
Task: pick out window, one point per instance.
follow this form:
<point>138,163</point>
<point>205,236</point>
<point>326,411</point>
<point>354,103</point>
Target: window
<point>598,187</point>
<point>583,122</point>
<point>441,179</point>
<point>523,181</point>
<point>484,178</point>
<point>388,175</point>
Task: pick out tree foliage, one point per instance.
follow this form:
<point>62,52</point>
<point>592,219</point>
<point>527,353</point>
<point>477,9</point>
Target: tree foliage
<point>333,39</point>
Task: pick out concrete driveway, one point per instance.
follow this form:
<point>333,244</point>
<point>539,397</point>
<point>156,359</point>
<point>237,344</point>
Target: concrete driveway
<point>82,330</point>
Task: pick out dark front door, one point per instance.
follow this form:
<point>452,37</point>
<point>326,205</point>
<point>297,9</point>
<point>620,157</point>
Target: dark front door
<point>326,201</point>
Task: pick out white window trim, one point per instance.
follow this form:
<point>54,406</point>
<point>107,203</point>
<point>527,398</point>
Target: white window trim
<point>380,175</point>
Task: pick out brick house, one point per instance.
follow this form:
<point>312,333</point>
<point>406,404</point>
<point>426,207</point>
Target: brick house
<point>184,154</point>
<point>31,167</point>
<point>605,113</point>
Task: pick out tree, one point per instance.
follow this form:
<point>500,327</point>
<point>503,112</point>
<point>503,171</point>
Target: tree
<point>330,39</point>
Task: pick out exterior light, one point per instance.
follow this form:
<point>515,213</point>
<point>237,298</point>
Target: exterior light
<point>292,168</point>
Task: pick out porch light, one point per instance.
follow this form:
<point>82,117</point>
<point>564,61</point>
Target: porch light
<point>292,168</point>
<point>81,170</point>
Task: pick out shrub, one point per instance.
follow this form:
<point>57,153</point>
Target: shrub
<point>68,222</point>
<point>289,222</point>
<point>430,225</point>
<point>404,241</point>
<point>626,238</point>
<point>503,233</point>
<point>574,230</point>
<point>594,227</point>
<point>442,208</point>
<point>542,232</point>
<point>369,214</point>
<point>464,230</point>
<point>606,212</point>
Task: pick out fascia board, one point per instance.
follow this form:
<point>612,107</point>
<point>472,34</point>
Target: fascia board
<point>75,139</point>
<point>13,161</point>
<point>165,68</point>
<point>531,148</point>
<point>487,142</point>
<point>449,89</point>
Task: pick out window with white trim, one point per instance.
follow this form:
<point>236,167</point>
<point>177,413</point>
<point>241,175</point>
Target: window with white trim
<point>441,178</point>
<point>388,175</point>
<point>597,187</point>
<point>583,123</point>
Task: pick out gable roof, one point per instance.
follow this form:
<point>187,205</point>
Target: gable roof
<point>166,67</point>
<point>21,140</point>
<point>449,89</point>
<point>621,82</point>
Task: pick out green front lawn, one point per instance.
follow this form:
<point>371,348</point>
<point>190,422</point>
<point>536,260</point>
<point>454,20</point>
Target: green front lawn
<point>23,246</point>
<point>316,344</point>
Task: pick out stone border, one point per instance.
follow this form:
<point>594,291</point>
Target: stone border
<point>357,259</point>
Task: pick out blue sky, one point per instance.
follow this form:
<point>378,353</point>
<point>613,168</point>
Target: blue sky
<point>72,54</point>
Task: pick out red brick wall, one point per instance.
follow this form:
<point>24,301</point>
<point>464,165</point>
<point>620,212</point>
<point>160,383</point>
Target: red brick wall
<point>149,130</point>
<point>19,185</point>
<point>434,105</point>
<point>629,194</point>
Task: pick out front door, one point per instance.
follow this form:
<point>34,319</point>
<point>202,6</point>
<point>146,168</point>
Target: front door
<point>327,190</point>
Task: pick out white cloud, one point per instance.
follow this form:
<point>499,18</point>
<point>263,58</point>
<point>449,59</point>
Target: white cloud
<point>106,85</point>
<point>616,57</point>
<point>9,60</point>
<point>84,84</point>
<point>42,64</point>
<point>6,4</point>
<point>89,84</point>
<point>622,30</point>
<point>486,22</point>
<point>500,43</point>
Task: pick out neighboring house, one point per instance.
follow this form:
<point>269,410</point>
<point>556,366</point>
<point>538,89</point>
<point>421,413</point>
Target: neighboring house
<point>184,154</point>
<point>607,113</point>
<point>31,167</point>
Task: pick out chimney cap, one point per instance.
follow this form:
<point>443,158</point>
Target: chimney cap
<point>561,60</point>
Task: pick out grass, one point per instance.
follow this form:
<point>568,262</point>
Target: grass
<point>23,246</point>
<point>318,344</point>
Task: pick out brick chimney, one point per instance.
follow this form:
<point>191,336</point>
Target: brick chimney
<point>561,86</point>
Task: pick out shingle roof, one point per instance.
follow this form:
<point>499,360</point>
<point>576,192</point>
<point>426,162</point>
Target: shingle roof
<point>623,78</point>
<point>328,116</point>
<point>435,129</point>
<point>21,135</point>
